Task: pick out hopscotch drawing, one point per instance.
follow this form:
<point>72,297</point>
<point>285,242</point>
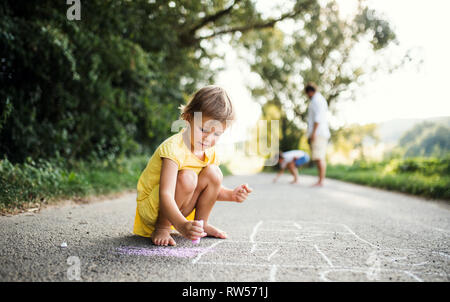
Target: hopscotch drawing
<point>328,251</point>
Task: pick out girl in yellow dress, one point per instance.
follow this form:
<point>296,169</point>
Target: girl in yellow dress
<point>182,180</point>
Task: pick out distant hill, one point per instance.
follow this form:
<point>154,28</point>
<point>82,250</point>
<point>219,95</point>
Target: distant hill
<point>391,131</point>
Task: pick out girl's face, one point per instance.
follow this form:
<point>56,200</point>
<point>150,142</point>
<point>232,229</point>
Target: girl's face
<point>206,133</point>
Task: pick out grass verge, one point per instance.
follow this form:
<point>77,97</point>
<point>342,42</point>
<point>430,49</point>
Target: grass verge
<point>36,183</point>
<point>432,186</point>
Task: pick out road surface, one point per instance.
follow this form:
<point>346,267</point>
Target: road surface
<point>283,232</point>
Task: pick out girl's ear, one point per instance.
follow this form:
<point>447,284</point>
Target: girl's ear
<point>188,118</point>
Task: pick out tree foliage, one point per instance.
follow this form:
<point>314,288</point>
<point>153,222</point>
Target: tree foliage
<point>426,139</point>
<point>352,138</point>
<point>318,48</point>
<point>111,84</point>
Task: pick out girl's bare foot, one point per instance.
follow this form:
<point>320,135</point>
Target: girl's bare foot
<point>214,232</point>
<point>294,181</point>
<point>161,236</point>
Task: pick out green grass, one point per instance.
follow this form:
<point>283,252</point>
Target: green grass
<point>36,182</point>
<point>42,182</point>
<point>396,176</point>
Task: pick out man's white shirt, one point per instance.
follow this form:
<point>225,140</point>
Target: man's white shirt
<point>317,113</point>
<point>290,155</point>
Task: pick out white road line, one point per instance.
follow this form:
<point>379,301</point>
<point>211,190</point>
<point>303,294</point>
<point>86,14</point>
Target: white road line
<point>265,242</point>
<point>253,234</point>
<point>306,232</point>
<point>271,255</point>
<point>327,268</point>
<point>273,272</point>
<point>435,228</point>
<point>442,254</point>
<point>421,263</point>
<point>255,229</point>
<point>298,239</point>
<point>256,264</point>
<point>310,235</point>
<point>414,276</point>
<point>354,234</point>
<point>323,274</point>
<point>323,256</point>
<point>297,226</point>
<point>196,259</point>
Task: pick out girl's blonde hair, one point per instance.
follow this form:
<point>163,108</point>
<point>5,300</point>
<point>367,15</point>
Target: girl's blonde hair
<point>212,101</point>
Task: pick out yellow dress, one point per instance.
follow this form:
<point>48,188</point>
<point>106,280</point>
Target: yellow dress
<point>148,184</point>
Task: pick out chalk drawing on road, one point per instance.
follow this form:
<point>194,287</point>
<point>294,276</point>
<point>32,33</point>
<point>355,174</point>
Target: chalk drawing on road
<point>322,247</point>
<point>273,272</point>
<point>196,259</point>
<point>272,254</point>
<point>179,252</point>
<point>413,276</point>
<point>323,255</point>
<point>253,234</point>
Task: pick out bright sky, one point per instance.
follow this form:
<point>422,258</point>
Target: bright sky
<point>410,92</point>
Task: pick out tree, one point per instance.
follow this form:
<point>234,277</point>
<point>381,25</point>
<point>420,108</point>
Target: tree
<point>111,83</point>
<point>426,139</point>
<point>347,139</point>
<point>319,49</point>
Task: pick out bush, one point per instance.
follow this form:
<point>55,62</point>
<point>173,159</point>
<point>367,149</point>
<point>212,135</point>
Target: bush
<point>107,85</point>
<point>428,177</point>
<point>47,180</point>
<point>426,166</point>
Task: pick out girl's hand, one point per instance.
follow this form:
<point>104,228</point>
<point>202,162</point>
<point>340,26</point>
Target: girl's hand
<point>192,230</point>
<point>240,193</point>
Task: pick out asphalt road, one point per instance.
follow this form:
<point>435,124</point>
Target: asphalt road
<point>283,232</point>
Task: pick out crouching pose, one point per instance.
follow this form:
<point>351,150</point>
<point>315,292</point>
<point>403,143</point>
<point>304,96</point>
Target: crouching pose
<point>292,160</point>
<point>182,180</point>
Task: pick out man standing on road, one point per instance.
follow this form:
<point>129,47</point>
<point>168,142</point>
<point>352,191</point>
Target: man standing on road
<point>318,132</point>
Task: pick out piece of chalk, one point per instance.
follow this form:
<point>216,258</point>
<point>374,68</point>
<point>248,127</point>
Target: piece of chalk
<point>197,241</point>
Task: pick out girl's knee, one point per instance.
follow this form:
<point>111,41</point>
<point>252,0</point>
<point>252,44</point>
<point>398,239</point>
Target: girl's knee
<point>187,180</point>
<point>214,174</point>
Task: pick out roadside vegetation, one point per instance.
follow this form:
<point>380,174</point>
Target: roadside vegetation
<point>82,101</point>
<point>35,183</point>
<point>427,177</point>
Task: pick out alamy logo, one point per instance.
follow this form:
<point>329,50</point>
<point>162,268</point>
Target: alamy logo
<point>74,11</point>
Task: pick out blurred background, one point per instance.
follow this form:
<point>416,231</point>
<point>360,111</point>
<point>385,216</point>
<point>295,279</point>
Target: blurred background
<point>84,103</point>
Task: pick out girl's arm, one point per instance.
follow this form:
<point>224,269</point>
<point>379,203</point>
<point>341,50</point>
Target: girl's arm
<point>167,185</point>
<point>167,204</point>
<point>239,194</point>
<point>225,194</point>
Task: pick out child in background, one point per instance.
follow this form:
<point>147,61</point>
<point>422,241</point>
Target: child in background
<point>182,180</point>
<point>291,159</point>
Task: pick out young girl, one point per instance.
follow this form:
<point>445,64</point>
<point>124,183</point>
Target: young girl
<point>182,180</point>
